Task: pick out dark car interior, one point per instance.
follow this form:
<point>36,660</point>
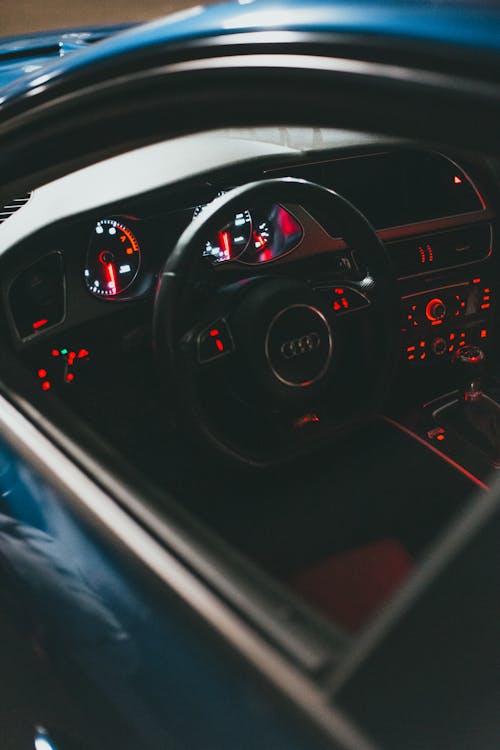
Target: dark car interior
<point>250,380</point>
<point>329,405</point>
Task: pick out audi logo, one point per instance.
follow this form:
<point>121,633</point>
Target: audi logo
<point>302,345</point>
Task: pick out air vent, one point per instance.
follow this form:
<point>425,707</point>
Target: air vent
<point>10,207</point>
<point>443,250</point>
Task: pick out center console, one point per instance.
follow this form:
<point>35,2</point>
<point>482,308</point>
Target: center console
<point>446,395</point>
<point>447,390</point>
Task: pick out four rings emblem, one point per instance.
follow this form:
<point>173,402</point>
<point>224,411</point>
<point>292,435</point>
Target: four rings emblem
<point>302,345</point>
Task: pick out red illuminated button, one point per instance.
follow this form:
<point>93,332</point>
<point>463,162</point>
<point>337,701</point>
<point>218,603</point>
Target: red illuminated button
<point>214,342</point>
<point>435,309</point>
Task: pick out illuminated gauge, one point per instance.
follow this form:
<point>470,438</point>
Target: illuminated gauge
<point>113,259</point>
<point>261,239</point>
<point>274,234</point>
<point>232,240</point>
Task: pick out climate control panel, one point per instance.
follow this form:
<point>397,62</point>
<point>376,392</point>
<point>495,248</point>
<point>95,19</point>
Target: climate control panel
<point>438,322</point>
<point>435,310</point>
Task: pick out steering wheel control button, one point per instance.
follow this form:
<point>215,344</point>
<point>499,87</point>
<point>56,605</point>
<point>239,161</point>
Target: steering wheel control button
<point>299,345</point>
<point>343,299</point>
<point>214,342</point>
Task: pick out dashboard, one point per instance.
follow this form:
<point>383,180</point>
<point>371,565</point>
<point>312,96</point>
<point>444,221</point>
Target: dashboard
<point>78,293</point>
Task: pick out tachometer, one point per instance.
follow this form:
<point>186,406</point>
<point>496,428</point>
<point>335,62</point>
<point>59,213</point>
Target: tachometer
<point>113,259</point>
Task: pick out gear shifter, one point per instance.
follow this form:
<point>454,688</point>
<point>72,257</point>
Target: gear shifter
<point>469,367</point>
<point>473,415</point>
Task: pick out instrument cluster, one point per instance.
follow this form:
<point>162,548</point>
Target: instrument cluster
<point>114,257</point>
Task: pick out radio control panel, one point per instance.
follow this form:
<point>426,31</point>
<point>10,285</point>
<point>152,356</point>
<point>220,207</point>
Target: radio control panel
<point>436,323</point>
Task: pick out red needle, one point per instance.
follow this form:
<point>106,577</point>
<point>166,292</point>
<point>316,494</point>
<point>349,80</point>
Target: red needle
<point>110,273</point>
<point>224,241</point>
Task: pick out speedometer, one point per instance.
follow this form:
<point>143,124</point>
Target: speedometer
<point>113,259</point>
<point>232,240</point>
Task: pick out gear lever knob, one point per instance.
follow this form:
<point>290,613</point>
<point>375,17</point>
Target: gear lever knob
<point>469,363</point>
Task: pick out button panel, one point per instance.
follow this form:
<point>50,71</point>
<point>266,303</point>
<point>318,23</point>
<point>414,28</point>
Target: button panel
<point>437,323</point>
<point>444,346</point>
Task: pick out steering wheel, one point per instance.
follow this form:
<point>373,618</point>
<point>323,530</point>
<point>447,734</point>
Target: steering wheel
<point>261,367</point>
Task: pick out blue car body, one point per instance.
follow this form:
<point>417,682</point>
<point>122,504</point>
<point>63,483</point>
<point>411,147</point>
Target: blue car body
<point>473,27</point>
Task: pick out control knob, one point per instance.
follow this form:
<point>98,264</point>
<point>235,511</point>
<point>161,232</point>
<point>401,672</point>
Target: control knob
<point>435,309</point>
<point>439,346</point>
